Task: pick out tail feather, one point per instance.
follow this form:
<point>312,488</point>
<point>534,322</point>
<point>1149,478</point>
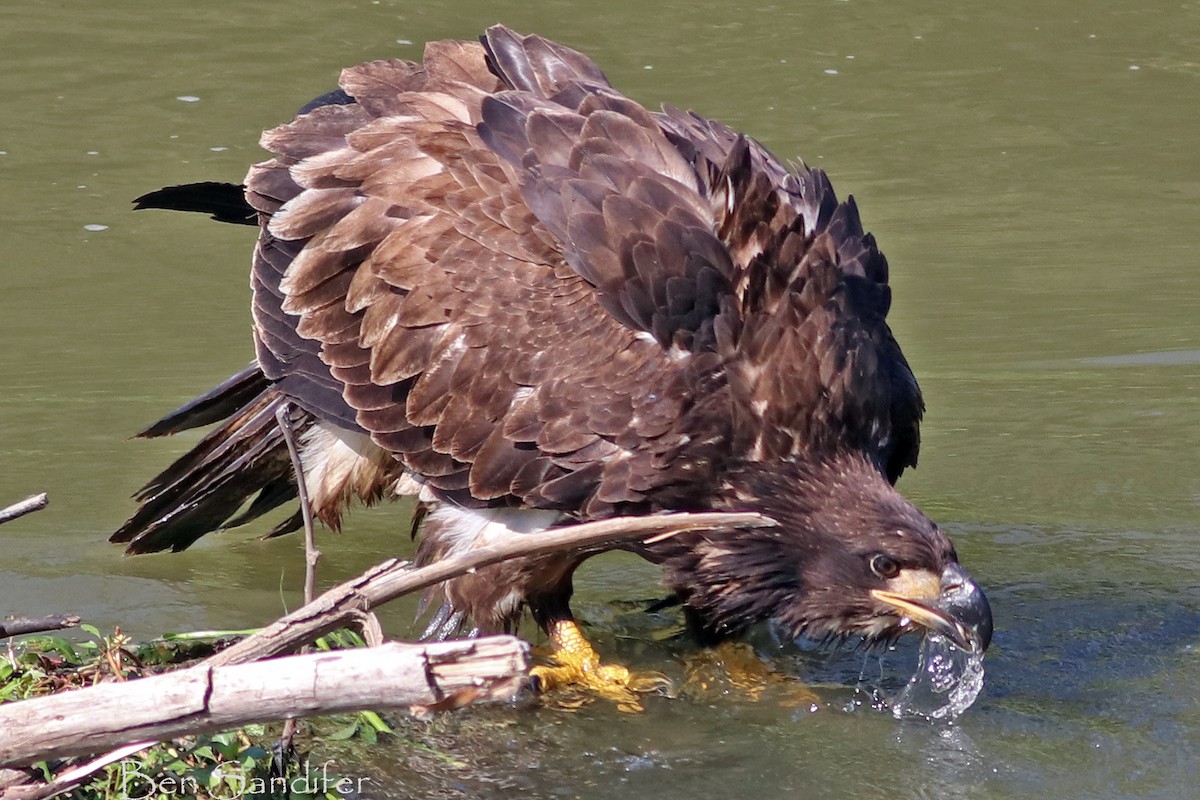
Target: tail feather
<point>293,523</point>
<point>241,469</point>
<point>216,404</point>
<point>269,498</point>
<point>245,458</point>
<point>224,447</point>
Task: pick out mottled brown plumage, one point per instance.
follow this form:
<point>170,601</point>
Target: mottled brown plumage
<point>507,286</point>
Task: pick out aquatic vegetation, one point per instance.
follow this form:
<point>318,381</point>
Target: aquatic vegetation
<point>244,762</point>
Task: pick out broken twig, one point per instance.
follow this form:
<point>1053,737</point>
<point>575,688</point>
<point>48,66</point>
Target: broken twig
<point>35,502</point>
<point>19,626</point>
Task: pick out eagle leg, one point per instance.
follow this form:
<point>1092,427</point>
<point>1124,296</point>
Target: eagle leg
<point>577,666</point>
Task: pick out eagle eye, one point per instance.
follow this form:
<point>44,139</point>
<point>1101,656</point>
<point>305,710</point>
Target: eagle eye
<point>884,566</point>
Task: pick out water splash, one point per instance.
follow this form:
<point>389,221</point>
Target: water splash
<point>946,683</point>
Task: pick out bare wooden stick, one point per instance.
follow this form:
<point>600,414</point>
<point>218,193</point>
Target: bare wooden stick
<point>311,554</point>
<point>68,779</point>
<point>345,603</point>
<point>207,698</point>
<point>35,502</point>
<point>12,777</point>
<point>19,626</point>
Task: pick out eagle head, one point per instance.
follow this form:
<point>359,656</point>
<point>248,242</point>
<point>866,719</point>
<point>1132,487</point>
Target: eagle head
<point>849,557</point>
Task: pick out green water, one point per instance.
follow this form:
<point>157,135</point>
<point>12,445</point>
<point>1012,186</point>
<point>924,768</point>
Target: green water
<point>1031,171</point>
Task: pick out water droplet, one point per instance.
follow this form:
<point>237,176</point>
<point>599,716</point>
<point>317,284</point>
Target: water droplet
<point>1134,67</point>
<point>95,228</point>
<point>218,149</point>
<point>831,72</point>
<point>946,682</point>
<point>188,98</point>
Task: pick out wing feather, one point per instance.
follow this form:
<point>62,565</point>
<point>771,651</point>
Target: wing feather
<point>534,291</point>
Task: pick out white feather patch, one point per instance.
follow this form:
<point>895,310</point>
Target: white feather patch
<point>339,463</point>
<point>462,529</point>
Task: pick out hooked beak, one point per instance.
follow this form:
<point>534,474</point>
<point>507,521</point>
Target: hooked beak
<point>953,605</point>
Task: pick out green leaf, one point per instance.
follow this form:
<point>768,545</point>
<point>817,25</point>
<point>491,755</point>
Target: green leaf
<point>91,630</point>
<point>200,636</point>
<point>375,721</point>
<point>57,644</point>
<point>344,733</point>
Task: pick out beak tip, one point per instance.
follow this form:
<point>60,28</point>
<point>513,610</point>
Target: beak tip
<point>966,604</point>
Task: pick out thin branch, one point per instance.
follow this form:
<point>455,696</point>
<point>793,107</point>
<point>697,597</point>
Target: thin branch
<point>20,626</point>
<point>345,603</point>
<point>71,778</point>
<point>371,629</point>
<point>35,502</point>
<point>311,554</point>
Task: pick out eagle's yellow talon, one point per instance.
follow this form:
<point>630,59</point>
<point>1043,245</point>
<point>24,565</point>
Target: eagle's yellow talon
<point>578,666</point>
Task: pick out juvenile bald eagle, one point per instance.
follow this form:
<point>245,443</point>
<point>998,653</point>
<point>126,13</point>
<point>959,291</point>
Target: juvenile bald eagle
<point>491,280</point>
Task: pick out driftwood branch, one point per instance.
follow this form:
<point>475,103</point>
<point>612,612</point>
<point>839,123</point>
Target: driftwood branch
<point>207,698</point>
<point>19,626</point>
<point>346,603</point>
<point>14,787</point>
<point>235,688</point>
<point>35,502</point>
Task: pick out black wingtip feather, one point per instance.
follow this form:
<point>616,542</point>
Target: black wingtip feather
<point>224,202</point>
